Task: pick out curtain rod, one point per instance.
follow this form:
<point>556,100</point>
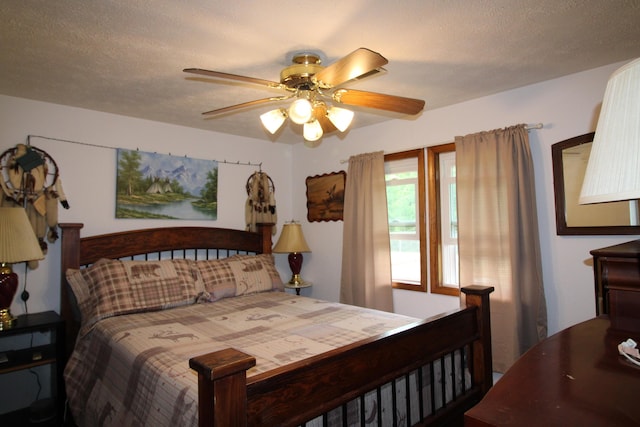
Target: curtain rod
<point>526,127</point>
<point>534,126</point>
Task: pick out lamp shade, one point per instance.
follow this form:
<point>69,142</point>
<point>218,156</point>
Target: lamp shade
<point>312,131</point>
<point>340,117</point>
<point>300,111</point>
<point>291,240</point>
<point>18,241</point>
<point>613,171</point>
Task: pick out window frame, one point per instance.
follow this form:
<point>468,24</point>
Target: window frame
<point>420,219</point>
<point>435,238</point>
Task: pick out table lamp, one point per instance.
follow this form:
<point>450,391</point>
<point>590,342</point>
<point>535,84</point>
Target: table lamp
<point>613,171</point>
<point>18,243</point>
<point>292,241</point>
<point>613,174</point>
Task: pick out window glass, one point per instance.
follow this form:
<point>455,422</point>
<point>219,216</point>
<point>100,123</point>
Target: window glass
<point>444,274</point>
<point>418,258</point>
<point>404,174</point>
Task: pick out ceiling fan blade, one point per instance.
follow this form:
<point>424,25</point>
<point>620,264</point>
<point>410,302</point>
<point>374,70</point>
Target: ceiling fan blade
<point>320,113</point>
<point>359,63</point>
<point>245,79</point>
<point>244,105</point>
<point>380,101</point>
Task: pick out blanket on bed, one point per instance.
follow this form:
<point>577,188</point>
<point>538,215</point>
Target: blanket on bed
<point>133,369</point>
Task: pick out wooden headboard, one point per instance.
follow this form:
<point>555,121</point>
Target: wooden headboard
<point>79,252</point>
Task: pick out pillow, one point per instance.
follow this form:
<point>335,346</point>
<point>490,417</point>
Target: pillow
<point>217,278</point>
<point>84,302</point>
<point>239,275</point>
<point>261,265</point>
<point>112,287</point>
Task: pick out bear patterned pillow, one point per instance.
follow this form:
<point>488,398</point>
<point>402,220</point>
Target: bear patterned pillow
<point>217,278</point>
<point>83,302</point>
<point>122,287</point>
<point>255,273</point>
<point>161,284</point>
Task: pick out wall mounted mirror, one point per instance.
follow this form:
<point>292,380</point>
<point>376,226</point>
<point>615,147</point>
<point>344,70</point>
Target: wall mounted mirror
<point>570,159</point>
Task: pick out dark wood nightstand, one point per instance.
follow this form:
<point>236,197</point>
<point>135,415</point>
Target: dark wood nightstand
<point>52,353</point>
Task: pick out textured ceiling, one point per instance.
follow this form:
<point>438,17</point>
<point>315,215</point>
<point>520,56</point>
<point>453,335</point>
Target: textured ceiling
<point>126,56</point>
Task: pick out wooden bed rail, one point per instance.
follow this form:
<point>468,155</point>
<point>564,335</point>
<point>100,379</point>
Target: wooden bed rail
<point>316,385</point>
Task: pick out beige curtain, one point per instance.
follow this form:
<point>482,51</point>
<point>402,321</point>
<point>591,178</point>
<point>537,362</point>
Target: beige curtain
<point>498,236</point>
<point>366,253</point>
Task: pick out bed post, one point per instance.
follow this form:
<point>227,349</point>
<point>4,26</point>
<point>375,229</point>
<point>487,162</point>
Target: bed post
<point>265,230</point>
<point>70,256</point>
<point>222,387</point>
<point>478,296</point>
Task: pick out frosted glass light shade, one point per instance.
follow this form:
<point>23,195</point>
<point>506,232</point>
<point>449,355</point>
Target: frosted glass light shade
<point>272,120</point>
<point>300,111</point>
<point>312,130</point>
<point>613,171</point>
<point>340,117</point>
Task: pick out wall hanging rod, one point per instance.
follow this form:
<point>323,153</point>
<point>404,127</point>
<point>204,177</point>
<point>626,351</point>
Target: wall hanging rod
<point>224,162</point>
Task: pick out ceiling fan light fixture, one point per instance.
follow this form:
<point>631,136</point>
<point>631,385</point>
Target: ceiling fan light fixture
<point>340,117</point>
<point>312,130</point>
<point>312,144</point>
<point>309,84</point>
<point>300,111</point>
<point>273,120</point>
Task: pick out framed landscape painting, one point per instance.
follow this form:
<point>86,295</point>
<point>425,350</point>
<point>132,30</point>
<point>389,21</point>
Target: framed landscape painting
<point>325,196</point>
<point>160,186</point>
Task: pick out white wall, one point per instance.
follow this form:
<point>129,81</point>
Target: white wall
<point>566,106</point>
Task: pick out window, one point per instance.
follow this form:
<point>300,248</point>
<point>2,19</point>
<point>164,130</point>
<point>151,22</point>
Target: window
<point>411,266</point>
<point>443,220</point>
<point>405,180</point>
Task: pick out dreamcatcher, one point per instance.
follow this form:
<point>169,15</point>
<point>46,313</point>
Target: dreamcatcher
<point>261,201</point>
<point>30,179</point>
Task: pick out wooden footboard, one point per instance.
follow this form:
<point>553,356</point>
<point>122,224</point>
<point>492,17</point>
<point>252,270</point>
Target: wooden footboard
<point>299,392</point>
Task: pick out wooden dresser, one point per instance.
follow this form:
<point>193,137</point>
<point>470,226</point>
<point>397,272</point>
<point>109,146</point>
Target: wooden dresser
<point>573,378</point>
<point>576,377</point>
<point>617,284</point>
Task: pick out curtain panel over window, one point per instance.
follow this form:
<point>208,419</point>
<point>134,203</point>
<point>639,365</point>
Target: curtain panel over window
<point>498,236</point>
<point>366,253</point>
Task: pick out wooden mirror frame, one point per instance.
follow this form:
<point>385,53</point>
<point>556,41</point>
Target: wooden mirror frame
<point>562,228</point>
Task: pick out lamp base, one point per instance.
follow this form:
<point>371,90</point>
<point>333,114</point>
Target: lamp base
<point>8,288</point>
<point>6,319</point>
<point>296,281</point>
<point>295,264</point>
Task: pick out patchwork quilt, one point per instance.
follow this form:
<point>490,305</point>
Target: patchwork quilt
<point>133,369</point>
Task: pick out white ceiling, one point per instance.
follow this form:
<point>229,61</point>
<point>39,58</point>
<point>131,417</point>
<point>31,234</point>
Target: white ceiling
<point>126,56</point>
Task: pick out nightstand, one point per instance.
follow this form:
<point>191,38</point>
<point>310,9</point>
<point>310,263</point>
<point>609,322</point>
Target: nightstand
<point>30,357</point>
<point>298,287</point>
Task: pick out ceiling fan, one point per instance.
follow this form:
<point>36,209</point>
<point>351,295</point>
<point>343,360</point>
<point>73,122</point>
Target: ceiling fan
<point>315,88</point>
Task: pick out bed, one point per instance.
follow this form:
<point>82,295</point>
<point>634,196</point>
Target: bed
<point>360,368</point>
